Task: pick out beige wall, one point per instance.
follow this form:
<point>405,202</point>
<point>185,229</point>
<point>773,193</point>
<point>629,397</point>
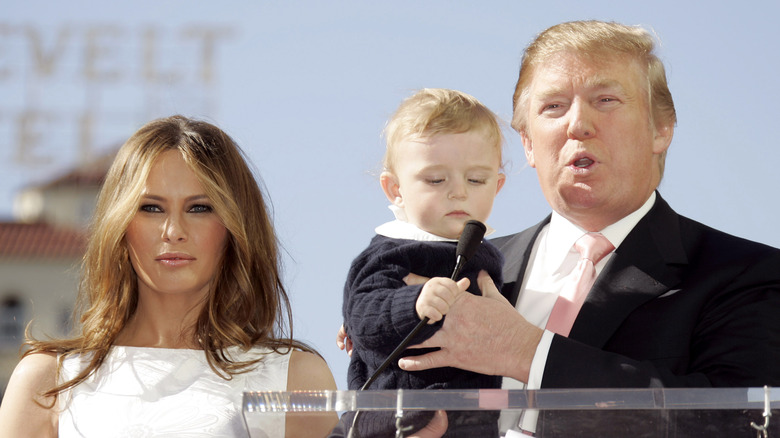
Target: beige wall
<point>46,290</point>
<point>66,206</point>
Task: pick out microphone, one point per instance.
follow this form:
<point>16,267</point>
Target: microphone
<point>468,242</point>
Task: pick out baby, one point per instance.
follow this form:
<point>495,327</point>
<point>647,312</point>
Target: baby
<point>442,168</point>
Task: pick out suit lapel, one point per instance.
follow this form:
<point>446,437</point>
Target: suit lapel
<point>643,267</point>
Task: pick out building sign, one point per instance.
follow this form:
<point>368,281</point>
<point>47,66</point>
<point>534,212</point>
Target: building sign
<point>69,91</point>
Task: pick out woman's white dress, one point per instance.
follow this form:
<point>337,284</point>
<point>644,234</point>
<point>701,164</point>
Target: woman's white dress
<point>159,392</point>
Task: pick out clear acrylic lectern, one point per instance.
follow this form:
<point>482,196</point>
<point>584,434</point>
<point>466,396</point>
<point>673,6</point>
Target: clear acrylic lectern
<point>634,413</point>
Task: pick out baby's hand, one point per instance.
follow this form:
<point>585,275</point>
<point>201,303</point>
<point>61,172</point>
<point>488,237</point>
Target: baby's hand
<point>437,296</point>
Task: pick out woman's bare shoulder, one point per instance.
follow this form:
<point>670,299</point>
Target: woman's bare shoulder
<point>25,411</point>
<point>308,371</point>
<point>39,366</point>
<point>35,374</point>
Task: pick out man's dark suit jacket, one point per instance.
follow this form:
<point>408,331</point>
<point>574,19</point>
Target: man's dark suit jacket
<point>679,304</point>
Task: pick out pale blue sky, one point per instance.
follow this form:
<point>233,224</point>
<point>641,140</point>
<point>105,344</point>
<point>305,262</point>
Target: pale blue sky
<point>305,87</point>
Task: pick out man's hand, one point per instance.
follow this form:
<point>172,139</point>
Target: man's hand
<point>482,334</point>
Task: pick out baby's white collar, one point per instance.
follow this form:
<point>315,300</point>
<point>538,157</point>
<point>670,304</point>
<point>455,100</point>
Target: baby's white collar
<point>400,228</point>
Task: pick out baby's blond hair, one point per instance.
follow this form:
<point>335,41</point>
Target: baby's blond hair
<point>435,111</point>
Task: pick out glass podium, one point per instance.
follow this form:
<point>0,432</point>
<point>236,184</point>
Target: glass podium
<point>634,413</point>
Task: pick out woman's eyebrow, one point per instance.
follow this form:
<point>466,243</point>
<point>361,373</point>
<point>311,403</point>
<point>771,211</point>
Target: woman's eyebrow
<point>160,198</point>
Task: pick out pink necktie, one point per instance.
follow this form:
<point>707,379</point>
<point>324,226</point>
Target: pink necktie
<point>592,248</point>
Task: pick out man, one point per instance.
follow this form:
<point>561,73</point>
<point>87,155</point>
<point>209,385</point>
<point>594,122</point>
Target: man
<point>676,304</point>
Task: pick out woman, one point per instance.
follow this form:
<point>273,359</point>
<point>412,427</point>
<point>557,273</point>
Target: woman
<point>182,305</point>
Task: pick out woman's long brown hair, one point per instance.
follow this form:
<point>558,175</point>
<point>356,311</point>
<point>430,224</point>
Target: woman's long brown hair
<point>247,304</point>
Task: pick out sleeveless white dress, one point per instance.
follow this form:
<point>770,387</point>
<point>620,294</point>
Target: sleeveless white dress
<point>159,392</point>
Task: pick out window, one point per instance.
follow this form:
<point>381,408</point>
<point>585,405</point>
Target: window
<point>11,321</point>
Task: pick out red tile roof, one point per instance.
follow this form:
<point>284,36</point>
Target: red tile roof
<point>88,174</point>
<point>39,240</point>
